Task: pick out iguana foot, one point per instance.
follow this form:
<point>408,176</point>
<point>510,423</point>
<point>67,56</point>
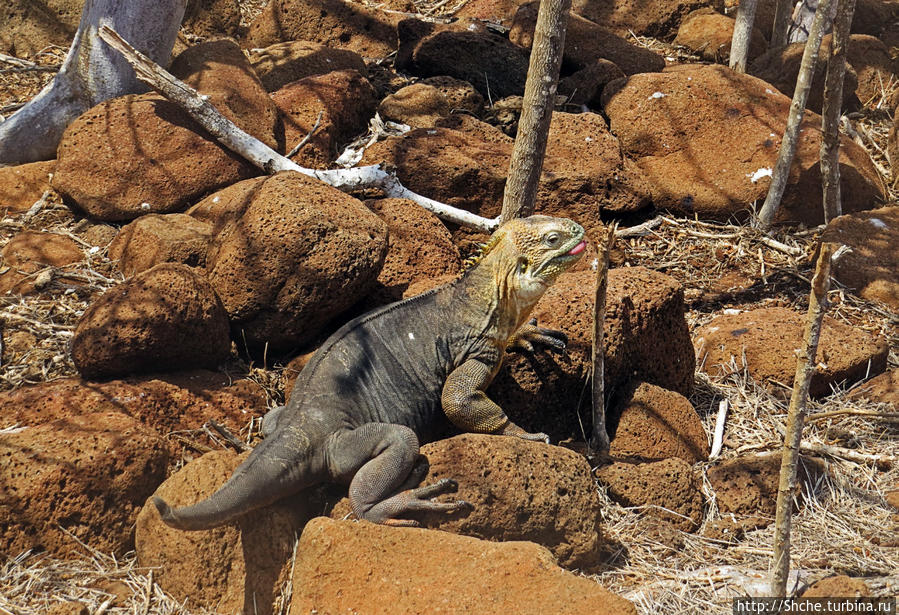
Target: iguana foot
<point>529,337</point>
<point>511,429</point>
<point>419,499</point>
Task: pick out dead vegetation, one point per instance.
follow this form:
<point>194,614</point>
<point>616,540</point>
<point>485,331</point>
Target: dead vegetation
<point>844,527</point>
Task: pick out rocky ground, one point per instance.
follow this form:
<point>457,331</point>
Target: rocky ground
<point>160,295</point>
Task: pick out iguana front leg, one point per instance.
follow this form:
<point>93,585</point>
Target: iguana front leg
<point>468,407</point>
<point>530,336</point>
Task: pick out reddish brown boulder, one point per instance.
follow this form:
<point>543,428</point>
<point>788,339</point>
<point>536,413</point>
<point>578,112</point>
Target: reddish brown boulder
<point>668,489</point>
<point>460,94</point>
<point>586,42</point>
<point>236,568</point>
<point>706,139</point>
<point>281,63</point>
<point>748,485</point>
<point>838,586</point>
<point>882,389</point>
<point>434,572</point>
<point>871,269</point>
<point>657,424</point>
<point>419,247</point>
<point>646,339</point>
<point>86,475</point>
<point>626,17</point>
<point>584,87</point>
<point>157,238</point>
<point>766,339</point>
<point>417,105</point>
<point>341,102</point>
<point>29,253</point>
<point>334,23</point>
<point>22,185</point>
<point>289,255</point>
<point>212,18</point>
<point>709,33</point>
<point>519,490</point>
<point>28,27</point>
<point>141,154</point>
<point>164,319</point>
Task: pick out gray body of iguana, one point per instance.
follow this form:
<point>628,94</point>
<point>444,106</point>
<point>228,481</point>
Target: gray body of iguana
<point>399,376</point>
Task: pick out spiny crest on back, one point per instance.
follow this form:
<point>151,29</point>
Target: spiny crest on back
<point>481,251</point>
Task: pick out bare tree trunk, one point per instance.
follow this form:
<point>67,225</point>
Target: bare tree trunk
<point>90,74</point>
<point>539,95</point>
<point>599,440</point>
<point>805,368</point>
<point>739,45</point>
<point>830,120</point>
<point>782,12</point>
<point>797,110</point>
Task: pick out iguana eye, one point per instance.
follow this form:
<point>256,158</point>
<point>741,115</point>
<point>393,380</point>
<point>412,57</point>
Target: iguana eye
<point>552,239</point>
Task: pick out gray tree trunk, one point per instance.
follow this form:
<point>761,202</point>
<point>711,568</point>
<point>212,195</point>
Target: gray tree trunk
<point>539,96</point>
<point>783,10</point>
<point>90,74</point>
<point>739,46</point>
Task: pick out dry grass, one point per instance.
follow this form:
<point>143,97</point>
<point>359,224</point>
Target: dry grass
<point>841,528</point>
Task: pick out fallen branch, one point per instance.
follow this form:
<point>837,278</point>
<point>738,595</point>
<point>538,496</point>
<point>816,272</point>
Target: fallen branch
<point>883,462</point>
<point>640,230</point>
<point>267,159</point>
<point>853,412</point>
<point>720,420</point>
<point>308,137</point>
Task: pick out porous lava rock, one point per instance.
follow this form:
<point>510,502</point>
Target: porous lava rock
<point>340,103</point>
<point>434,572</point>
<point>29,253</point>
<point>838,586</point>
<point>707,137</point>
<point>334,23</point>
<point>419,247</point>
<point>140,154</point>
<point>165,402</point>
<point>709,33</point>
<point>492,64</point>
<point>460,94</point>
<point>29,27</point>
<point>281,63</point>
<point>668,488</point>
<point>656,424</point>
<point>763,341</point>
<point>160,238</point>
<point>86,475</point>
<point>22,185</point>
<point>646,337</point>
<point>220,70</point>
<point>518,490</point>
<point>882,389</point>
<point>583,172</point>
<point>417,105</point>
<point>747,485</point>
<point>289,254</point>
<point>166,318</point>
<point>239,567</point>
<point>871,269</point>
<point>212,18</point>
<point>586,42</point>
<point>584,87</point>
<point>627,17</point>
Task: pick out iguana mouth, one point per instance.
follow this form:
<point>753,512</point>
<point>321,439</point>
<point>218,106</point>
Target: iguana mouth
<point>578,248</point>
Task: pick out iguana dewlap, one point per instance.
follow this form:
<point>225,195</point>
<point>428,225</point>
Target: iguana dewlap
<point>390,379</point>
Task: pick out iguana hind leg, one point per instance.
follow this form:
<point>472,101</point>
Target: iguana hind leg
<point>382,463</point>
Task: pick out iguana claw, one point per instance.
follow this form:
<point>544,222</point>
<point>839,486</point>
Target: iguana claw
<point>530,336</point>
<point>416,500</point>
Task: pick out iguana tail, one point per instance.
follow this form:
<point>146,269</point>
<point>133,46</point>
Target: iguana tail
<point>273,471</point>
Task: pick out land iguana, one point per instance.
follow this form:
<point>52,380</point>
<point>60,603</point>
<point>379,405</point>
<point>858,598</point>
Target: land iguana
<point>391,378</point>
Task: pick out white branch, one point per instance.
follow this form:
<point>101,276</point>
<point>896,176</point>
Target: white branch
<point>267,159</point>
<point>720,420</point>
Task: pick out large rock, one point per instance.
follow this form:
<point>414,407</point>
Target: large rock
<point>763,341</point>
<point>627,17</point>
<point>656,424</point>
<point>586,42</point>
<point>27,27</point>
<point>212,18</point>
<point>289,255</point>
<point>882,389</point>
<point>281,63</point>
<point>871,269</point>
<point>583,171</point>
<point>166,403</point>
<point>646,338</point>
<point>140,154</point>
<point>240,567</point>
<point>166,318</point>
<point>417,105</point>
<point>29,253</point>
<point>423,571</point>
<point>21,186</point>
<point>519,490</point>
<point>334,23</point>
<point>709,34</point>
<point>461,95</point>
<point>340,103</point>
<point>668,489</point>
<point>585,87</point>
<point>160,238</point>
<point>86,475</point>
<point>706,136</point>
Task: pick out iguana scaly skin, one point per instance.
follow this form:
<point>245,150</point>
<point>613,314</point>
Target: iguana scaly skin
<point>391,378</point>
